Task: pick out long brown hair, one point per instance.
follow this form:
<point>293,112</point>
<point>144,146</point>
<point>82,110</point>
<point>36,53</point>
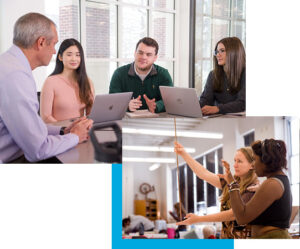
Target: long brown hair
<point>251,176</point>
<point>234,66</point>
<point>85,91</point>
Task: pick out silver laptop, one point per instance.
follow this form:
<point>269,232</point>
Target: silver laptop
<point>181,101</point>
<point>110,107</point>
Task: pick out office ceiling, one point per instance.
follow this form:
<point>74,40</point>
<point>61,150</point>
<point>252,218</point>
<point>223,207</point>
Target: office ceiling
<point>155,124</point>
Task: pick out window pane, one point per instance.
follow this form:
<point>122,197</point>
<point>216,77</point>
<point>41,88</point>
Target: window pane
<point>207,7</point>
<point>221,8</point>
<point>207,67</point>
<point>220,166</point>
<point>220,30</point>
<point>123,63</point>
<point>295,136</point>
<point>190,191</point>
<point>206,43</point>
<point>174,186</point>
<point>295,169</point>
<point>52,10</point>
<point>239,9</point>
<point>200,185</point>
<point>239,30</point>
<point>163,33</point>
<point>131,30</point>
<point>198,77</point>
<point>163,4</point>
<point>137,2</point>
<point>199,36</point>
<point>169,65</point>
<point>295,194</point>
<point>249,139</point>
<point>100,31</point>
<point>182,184</point>
<point>100,73</point>
<point>211,190</point>
<point>66,16</point>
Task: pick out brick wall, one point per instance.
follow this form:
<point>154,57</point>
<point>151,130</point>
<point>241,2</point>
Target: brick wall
<point>97,33</point>
<point>68,22</point>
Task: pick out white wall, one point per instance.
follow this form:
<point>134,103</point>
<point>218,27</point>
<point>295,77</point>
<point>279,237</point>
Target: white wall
<point>10,11</point>
<point>127,191</point>
<point>133,177</point>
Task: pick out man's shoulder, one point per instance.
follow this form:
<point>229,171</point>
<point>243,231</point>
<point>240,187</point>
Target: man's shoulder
<point>160,69</point>
<point>123,69</point>
<point>10,64</point>
<point>161,72</point>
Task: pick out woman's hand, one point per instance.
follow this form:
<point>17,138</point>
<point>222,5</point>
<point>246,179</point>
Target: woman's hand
<point>179,149</point>
<point>253,188</point>
<point>227,176</point>
<point>190,219</point>
<point>208,110</point>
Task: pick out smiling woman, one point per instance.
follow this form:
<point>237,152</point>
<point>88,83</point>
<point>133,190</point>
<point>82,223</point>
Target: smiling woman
<point>67,92</point>
<point>225,89</point>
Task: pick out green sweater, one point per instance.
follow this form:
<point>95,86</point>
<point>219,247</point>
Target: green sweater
<point>125,79</point>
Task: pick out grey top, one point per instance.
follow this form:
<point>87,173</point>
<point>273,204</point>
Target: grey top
<point>226,101</point>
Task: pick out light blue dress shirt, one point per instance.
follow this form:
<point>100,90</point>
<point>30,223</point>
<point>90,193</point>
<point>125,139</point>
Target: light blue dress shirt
<point>22,131</point>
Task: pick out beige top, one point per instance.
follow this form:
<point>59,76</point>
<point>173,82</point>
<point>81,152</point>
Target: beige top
<point>60,100</point>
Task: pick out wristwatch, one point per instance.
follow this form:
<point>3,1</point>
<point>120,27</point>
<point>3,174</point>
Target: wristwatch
<point>62,130</point>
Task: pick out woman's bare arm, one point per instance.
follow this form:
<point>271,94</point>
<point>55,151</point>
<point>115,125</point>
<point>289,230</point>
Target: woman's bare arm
<point>217,217</point>
<point>197,168</point>
<point>269,191</point>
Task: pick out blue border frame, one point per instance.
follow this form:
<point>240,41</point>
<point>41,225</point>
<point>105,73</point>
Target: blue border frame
<point>118,242</point>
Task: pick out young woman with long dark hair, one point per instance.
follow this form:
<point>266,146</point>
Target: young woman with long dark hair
<point>225,88</point>
<point>68,92</point>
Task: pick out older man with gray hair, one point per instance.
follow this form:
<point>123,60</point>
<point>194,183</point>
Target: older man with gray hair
<point>23,135</point>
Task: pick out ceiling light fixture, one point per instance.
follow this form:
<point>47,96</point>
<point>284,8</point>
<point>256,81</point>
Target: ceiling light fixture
<point>169,133</point>
<point>154,167</point>
<point>155,148</point>
<point>148,160</point>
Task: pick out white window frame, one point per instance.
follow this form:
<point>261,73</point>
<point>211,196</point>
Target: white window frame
<point>149,10</point>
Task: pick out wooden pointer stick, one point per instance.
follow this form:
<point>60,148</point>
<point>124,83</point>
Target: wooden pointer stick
<point>180,215</point>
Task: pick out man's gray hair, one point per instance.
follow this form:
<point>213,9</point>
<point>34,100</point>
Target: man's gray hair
<point>30,27</point>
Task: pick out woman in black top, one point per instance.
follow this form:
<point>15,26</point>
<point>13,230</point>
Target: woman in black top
<point>269,210</point>
<point>225,88</point>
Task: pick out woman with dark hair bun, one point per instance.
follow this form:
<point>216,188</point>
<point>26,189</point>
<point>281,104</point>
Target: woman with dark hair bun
<point>269,210</point>
<point>68,92</point>
<point>225,88</point>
